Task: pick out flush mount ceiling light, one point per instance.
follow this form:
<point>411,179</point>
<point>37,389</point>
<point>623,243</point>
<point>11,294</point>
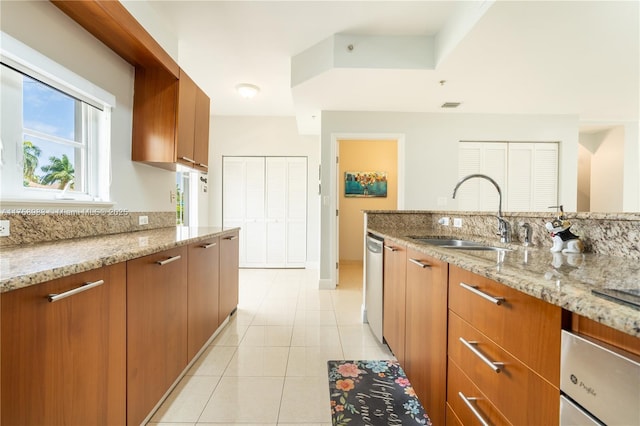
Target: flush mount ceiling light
<point>247,91</point>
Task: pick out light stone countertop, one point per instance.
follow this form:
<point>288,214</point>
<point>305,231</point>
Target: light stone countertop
<point>22,266</point>
<point>562,280</point>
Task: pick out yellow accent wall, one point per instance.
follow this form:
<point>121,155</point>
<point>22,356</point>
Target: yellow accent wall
<point>364,156</point>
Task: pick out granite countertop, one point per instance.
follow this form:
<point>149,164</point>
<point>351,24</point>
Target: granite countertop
<point>560,279</point>
<point>22,266</point>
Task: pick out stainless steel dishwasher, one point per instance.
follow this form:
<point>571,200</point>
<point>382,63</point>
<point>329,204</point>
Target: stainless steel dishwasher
<point>599,384</point>
<point>373,285</point>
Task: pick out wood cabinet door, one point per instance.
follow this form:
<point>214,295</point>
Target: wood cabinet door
<point>156,328</point>
<point>64,362</point>
<point>202,294</point>
<point>229,246</point>
<point>186,118</point>
<point>393,300</point>
<point>201,130</point>
<point>154,116</point>
<point>426,332</point>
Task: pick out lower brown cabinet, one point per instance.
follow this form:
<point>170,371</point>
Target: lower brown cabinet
<point>426,332</point>
<point>156,328</point>
<point>229,258</point>
<point>394,298</point>
<point>64,351</point>
<point>202,294</point>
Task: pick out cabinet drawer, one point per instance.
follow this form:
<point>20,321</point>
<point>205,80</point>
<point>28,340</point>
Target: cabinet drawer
<point>460,412</point>
<point>518,322</point>
<point>520,394</point>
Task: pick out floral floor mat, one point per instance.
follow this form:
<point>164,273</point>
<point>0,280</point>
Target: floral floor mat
<point>372,393</point>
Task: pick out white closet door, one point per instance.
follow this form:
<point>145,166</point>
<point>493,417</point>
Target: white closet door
<point>469,162</point>
<point>243,206</point>
<point>545,177</point>
<point>267,198</point>
<point>489,158</point>
<point>521,160</point>
<point>494,165</point>
<point>533,176</point>
<point>276,202</point>
<point>296,212</point>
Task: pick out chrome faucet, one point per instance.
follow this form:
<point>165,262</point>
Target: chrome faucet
<point>503,225</point>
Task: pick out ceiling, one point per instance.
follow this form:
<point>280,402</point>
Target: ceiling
<point>513,57</point>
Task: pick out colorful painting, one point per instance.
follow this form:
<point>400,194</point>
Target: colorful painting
<point>365,184</point>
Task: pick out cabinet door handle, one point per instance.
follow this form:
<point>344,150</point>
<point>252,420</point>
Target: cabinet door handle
<point>473,289</point>
<point>188,160</point>
<point>233,237</point>
<point>84,287</point>
<point>420,264</point>
<point>206,246</point>
<point>169,260</point>
<point>203,165</point>
<point>495,366</point>
<point>473,409</point>
<point>390,248</point>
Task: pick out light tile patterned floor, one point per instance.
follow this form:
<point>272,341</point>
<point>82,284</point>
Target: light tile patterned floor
<point>268,366</point>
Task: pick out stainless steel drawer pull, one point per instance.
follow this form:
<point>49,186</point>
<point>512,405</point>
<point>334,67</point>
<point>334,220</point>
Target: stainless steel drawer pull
<point>233,237</point>
<point>187,159</point>
<point>473,409</point>
<point>206,246</point>
<point>495,366</point>
<point>169,260</point>
<point>420,264</point>
<point>390,248</point>
<point>84,287</point>
<point>474,290</point>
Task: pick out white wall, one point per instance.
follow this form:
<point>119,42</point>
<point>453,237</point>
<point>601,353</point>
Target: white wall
<point>607,172</point>
<point>45,28</point>
<point>431,156</point>
<point>268,136</point>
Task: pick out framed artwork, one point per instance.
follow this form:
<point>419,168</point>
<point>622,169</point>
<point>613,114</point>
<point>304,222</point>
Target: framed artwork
<point>365,184</point>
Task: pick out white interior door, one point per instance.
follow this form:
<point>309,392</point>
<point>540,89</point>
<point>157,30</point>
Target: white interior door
<point>296,212</point>
<point>267,198</point>
<point>276,201</point>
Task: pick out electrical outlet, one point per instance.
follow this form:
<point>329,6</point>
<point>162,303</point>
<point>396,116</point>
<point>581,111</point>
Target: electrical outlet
<point>457,222</point>
<point>5,230</point>
<point>143,220</point>
<point>444,221</point>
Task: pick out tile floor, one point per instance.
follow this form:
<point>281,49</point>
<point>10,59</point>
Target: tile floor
<point>268,365</point>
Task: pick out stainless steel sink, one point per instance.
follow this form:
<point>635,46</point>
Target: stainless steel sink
<point>453,243</point>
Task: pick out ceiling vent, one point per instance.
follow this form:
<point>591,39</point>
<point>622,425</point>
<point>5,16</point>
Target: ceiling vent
<point>450,105</point>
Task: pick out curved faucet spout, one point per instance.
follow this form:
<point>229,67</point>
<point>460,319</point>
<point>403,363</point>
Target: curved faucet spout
<point>480,175</point>
<point>503,225</point>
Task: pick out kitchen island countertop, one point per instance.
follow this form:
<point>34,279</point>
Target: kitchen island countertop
<point>25,265</point>
<point>564,280</point>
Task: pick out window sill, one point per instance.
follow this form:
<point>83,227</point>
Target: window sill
<point>16,203</point>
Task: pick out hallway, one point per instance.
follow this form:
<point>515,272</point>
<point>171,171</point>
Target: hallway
<point>268,365</point>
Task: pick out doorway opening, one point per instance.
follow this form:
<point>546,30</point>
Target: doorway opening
<point>369,164</point>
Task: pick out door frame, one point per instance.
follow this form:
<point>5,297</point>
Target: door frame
<point>333,187</point>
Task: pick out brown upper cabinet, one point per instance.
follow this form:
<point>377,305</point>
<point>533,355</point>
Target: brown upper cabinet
<point>170,112</point>
<point>192,134</point>
<point>170,120</point>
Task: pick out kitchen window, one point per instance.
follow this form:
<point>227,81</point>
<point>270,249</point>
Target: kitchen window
<point>55,131</point>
